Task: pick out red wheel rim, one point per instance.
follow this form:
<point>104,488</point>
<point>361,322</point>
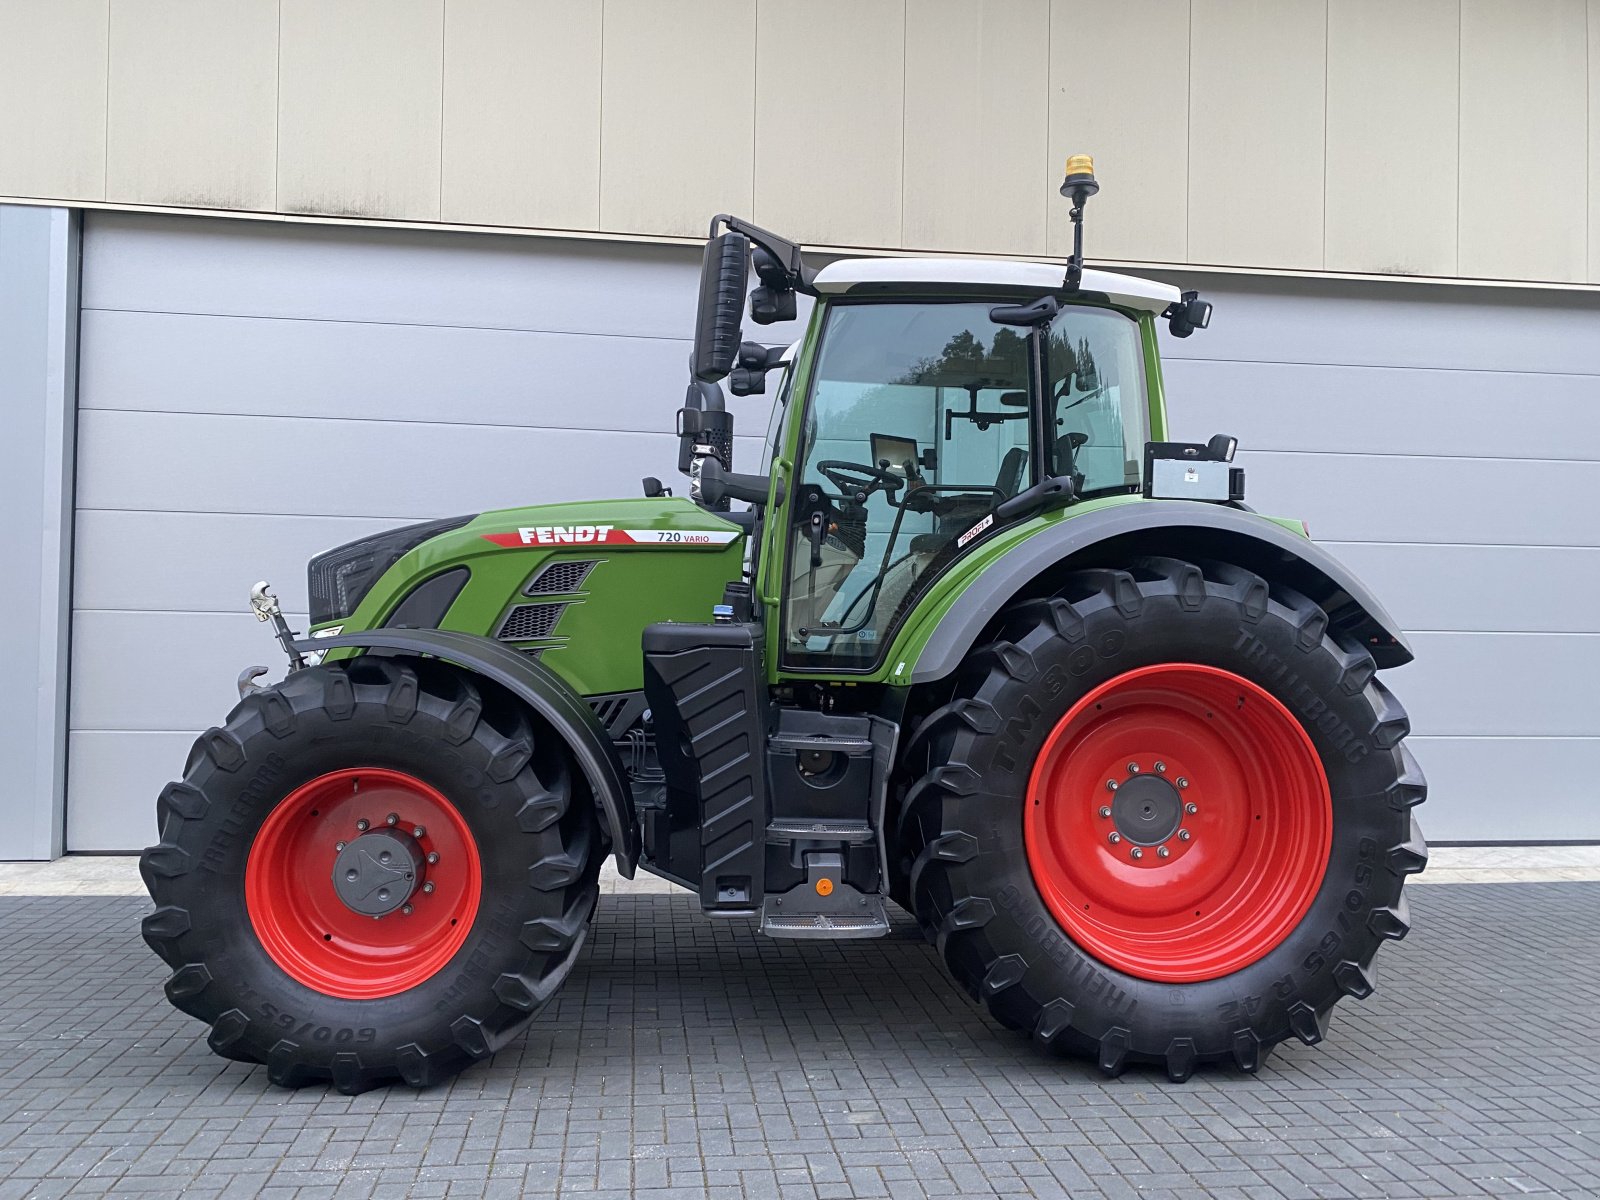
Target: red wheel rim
<point>312,933</point>
<point>1212,888</point>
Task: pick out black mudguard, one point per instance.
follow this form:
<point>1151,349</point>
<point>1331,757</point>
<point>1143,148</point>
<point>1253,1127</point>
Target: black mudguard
<point>543,691</point>
<point>1172,527</point>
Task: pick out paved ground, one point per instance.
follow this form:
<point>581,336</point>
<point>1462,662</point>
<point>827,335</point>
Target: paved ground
<point>690,1058</point>
<point>118,875</point>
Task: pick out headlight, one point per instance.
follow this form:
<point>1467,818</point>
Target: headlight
<point>338,580</point>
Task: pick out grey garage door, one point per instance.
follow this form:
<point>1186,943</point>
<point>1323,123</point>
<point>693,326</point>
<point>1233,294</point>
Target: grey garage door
<point>252,393</point>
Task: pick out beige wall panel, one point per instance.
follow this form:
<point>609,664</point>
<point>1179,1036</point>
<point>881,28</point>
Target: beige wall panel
<point>1119,90</point>
<point>1393,110</point>
<point>522,113</point>
<point>53,99</point>
<point>830,113</point>
<point>1524,117</point>
<point>976,124</point>
<point>1256,105</point>
<point>193,103</point>
<point>360,85</point>
<point>677,125</point>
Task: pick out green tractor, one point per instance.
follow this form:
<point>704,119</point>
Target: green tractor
<point>984,642</point>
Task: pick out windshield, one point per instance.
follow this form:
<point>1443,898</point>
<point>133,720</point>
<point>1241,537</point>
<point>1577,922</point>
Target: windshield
<point>917,426</point>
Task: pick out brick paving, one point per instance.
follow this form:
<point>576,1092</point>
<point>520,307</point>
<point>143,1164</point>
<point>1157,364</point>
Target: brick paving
<point>690,1058</point>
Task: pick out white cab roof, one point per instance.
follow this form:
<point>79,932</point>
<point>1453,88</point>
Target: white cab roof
<point>1124,290</point>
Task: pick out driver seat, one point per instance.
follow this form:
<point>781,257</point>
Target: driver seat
<point>1011,468</point>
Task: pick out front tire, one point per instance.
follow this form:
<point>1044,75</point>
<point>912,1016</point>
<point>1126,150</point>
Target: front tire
<point>1165,818</point>
<point>372,872</point>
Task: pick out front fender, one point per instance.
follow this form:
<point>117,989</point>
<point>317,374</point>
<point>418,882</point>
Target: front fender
<point>1174,527</point>
<point>542,690</point>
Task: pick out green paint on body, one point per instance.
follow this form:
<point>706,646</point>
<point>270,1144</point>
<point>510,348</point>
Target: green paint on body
<point>594,644</point>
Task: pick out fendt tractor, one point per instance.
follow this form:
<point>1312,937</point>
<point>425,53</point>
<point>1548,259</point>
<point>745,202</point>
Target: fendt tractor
<point>979,639</point>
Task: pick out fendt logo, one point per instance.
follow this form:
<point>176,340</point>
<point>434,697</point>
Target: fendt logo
<point>608,535</point>
<point>552,535</point>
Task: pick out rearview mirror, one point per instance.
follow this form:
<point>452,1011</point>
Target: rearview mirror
<point>723,275</point>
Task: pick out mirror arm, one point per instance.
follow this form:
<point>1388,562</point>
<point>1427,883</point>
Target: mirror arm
<point>1055,491</point>
<point>798,276</point>
<point>714,484</point>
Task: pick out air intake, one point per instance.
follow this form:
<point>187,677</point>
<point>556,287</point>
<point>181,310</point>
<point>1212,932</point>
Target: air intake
<point>559,578</point>
<point>526,622</point>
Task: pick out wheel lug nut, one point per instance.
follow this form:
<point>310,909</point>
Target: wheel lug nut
<point>1136,852</point>
<point>1183,835</point>
<point>1161,768</point>
<point>363,825</point>
<point>1191,808</point>
<point>392,819</point>
<point>418,831</point>
<point>427,888</point>
<point>1163,852</point>
<point>1105,810</point>
<point>406,908</point>
<point>433,856</point>
<point>338,846</point>
<point>1133,768</point>
<point>1182,782</point>
<point>1114,838</point>
<point>1111,785</point>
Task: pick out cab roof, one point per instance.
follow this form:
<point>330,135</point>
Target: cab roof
<point>882,274</point>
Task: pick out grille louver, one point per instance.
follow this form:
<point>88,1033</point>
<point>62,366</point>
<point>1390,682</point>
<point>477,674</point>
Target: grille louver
<point>528,621</point>
<point>559,578</point>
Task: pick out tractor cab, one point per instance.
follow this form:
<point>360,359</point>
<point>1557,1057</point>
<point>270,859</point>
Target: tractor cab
<point>926,421</point>
<point>931,404</point>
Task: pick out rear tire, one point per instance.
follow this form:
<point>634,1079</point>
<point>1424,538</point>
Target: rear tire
<point>1008,856</point>
<point>508,853</point>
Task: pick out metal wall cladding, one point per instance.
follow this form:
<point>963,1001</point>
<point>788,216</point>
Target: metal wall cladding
<point>1226,132</point>
<point>252,394</point>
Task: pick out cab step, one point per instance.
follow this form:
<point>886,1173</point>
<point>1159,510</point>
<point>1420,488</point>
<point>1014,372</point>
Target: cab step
<point>872,921</point>
<point>824,906</point>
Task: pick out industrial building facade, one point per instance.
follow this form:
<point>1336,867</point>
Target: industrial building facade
<point>278,273</point>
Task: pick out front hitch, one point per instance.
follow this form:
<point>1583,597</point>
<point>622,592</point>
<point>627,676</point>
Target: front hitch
<point>266,608</point>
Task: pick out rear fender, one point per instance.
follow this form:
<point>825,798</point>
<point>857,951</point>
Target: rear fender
<point>543,691</point>
<point>1181,529</point>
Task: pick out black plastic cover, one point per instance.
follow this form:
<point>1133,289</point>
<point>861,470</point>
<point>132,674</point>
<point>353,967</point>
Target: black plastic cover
<point>338,580</point>
<point>706,692</point>
<point>723,276</point>
<point>425,605</point>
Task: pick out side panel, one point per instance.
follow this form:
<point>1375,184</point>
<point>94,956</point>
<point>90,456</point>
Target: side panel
<point>629,563</point>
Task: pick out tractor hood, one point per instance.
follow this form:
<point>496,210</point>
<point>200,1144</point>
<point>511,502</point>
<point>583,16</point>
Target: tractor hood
<point>573,584</point>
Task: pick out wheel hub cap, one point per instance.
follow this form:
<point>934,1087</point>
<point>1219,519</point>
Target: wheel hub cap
<point>377,873</point>
<point>1147,810</point>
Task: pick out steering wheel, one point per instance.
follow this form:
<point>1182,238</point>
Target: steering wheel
<point>859,480</point>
